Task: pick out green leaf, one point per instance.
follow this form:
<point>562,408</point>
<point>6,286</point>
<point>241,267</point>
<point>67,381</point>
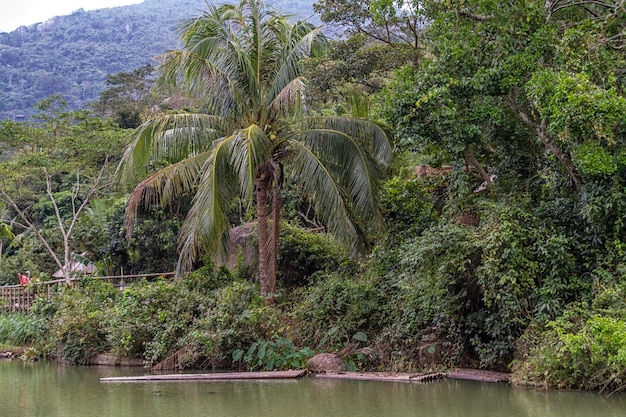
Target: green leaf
<point>237,354</point>
<point>306,352</point>
<point>360,336</point>
<point>262,348</point>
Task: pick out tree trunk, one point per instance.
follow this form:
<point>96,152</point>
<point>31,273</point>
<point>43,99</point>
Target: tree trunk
<point>541,129</point>
<point>268,189</point>
<point>266,281</point>
<point>67,268</point>
<point>275,232</point>
<point>481,170</point>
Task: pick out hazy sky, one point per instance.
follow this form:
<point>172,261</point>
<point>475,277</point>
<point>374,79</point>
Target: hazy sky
<point>15,13</point>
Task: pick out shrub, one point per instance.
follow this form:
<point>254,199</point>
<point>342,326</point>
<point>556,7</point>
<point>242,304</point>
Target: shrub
<point>207,278</point>
<point>42,313</point>
<point>334,309</point>
<point>578,350</point>
<point>76,329</point>
<point>17,329</point>
<point>583,348</point>
<point>149,318</point>
<point>428,290</point>
<point>303,252</point>
<point>232,319</point>
<point>273,355</point>
<point>406,207</point>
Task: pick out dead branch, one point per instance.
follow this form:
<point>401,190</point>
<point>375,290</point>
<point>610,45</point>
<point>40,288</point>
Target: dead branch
<point>66,232</point>
<point>541,129</point>
<point>474,16</point>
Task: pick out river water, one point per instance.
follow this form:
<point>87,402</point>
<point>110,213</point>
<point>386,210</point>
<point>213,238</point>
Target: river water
<point>49,390</point>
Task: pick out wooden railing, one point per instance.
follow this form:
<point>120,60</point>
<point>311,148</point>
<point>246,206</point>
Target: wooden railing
<point>19,298</point>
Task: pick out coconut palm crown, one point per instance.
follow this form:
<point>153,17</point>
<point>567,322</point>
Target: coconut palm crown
<point>243,62</point>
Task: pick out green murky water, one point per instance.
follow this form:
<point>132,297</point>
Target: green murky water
<point>48,390</point>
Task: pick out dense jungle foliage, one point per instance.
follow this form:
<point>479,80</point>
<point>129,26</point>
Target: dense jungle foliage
<point>505,242</point>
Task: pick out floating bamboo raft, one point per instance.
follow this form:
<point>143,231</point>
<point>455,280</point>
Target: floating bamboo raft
<point>383,376</point>
<point>479,375</point>
<point>468,374</point>
<point>227,376</point>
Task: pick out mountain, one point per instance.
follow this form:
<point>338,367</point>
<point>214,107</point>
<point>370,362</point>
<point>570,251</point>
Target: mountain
<point>72,55</point>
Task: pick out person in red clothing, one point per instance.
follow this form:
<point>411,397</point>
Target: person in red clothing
<point>23,279</point>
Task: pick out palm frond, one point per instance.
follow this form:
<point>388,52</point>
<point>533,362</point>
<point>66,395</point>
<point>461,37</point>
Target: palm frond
<point>324,191</point>
<point>205,229</point>
<point>170,137</point>
<point>250,149</point>
<point>354,151</point>
<point>207,79</point>
<point>351,165</point>
<point>295,47</point>
<point>359,104</point>
<point>164,185</point>
<point>288,101</point>
<point>216,62</point>
<point>369,135</point>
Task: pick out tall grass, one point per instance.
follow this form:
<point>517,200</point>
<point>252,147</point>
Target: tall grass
<point>16,329</point>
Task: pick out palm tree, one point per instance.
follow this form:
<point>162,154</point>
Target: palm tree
<point>243,62</point>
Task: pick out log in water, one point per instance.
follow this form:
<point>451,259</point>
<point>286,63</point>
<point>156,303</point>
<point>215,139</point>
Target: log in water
<point>226,376</point>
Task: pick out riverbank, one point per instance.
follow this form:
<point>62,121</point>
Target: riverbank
<point>14,352</point>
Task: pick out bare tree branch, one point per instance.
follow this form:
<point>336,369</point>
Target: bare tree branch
<point>66,232</point>
<point>474,16</point>
<point>553,7</point>
<point>7,199</point>
<point>541,129</point>
<point>481,170</point>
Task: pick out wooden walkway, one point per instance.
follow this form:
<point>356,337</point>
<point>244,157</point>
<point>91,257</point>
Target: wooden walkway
<point>19,298</point>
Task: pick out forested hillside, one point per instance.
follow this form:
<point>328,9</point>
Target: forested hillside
<point>72,55</point>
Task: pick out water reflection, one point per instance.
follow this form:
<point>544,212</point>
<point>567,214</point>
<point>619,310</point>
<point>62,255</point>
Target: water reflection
<point>47,390</point>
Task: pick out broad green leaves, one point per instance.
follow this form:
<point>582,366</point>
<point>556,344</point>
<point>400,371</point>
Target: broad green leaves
<point>504,79</point>
<point>576,109</point>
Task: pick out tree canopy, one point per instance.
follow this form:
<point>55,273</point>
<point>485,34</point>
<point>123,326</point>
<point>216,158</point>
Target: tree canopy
<point>522,75</point>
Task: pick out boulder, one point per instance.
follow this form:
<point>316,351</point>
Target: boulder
<point>325,363</point>
<point>112,360</point>
<point>242,246</point>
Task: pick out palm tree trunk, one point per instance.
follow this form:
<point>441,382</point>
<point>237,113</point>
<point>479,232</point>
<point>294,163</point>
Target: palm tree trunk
<point>265,281</point>
<point>275,232</point>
